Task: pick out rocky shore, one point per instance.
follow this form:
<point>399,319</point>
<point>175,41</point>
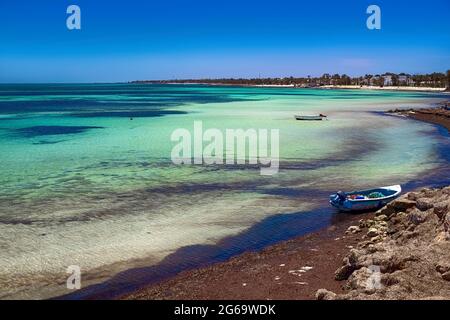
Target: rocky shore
<point>404,252</point>
<point>399,252</point>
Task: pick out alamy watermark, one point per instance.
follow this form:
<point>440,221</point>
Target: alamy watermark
<point>374,20</point>
<point>74,280</point>
<point>73,21</point>
<point>374,280</point>
<point>236,146</point>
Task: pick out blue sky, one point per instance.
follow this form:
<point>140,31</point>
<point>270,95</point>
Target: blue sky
<point>137,39</point>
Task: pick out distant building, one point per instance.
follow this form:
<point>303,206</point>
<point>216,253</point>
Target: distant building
<point>387,80</point>
<point>405,80</point>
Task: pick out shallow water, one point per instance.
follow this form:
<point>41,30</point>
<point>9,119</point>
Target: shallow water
<point>83,184</point>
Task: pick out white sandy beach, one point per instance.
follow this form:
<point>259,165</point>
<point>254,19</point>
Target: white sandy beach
<point>430,89</point>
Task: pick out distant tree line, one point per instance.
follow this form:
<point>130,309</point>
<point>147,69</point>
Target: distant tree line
<point>436,80</point>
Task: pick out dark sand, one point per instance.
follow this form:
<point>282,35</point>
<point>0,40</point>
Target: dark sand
<point>272,273</point>
<point>439,116</point>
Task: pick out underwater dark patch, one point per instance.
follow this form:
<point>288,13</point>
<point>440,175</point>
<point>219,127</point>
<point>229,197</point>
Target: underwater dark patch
<point>128,114</point>
<point>13,118</point>
<point>79,104</point>
<point>37,131</point>
<point>48,142</point>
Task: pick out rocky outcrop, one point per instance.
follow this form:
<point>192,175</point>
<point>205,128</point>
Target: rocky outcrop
<point>323,294</point>
<point>404,252</point>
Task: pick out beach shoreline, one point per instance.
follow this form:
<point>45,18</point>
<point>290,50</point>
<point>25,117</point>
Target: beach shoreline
<point>262,274</point>
<point>314,266</point>
<point>386,88</point>
<point>439,115</point>
<point>324,87</point>
<point>292,269</point>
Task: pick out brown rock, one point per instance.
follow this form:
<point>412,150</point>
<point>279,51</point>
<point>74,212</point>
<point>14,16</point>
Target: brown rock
<point>376,238</point>
<point>427,193</point>
<point>353,230</point>
<point>359,280</point>
<point>447,223</point>
<point>443,267</point>
<point>396,220</point>
<point>402,204</point>
<point>446,276</point>
<point>440,209</point>
<point>423,205</point>
<point>386,210</point>
<point>392,230</point>
<point>324,294</point>
<point>344,272</point>
<point>349,265</point>
<point>389,280</point>
<point>362,223</point>
<point>373,232</point>
<point>382,224</point>
<point>395,263</point>
<point>417,217</point>
<point>412,196</point>
<point>369,223</point>
<point>410,234</point>
<point>354,256</point>
<point>381,217</point>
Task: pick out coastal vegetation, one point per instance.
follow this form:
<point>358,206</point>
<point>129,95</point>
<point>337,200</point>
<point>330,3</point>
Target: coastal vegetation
<point>433,80</point>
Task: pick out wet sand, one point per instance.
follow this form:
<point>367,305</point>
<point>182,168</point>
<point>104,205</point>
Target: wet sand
<point>439,116</point>
<point>294,269</point>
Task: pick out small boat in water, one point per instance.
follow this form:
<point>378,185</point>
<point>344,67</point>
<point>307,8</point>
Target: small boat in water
<point>372,199</point>
<point>311,117</point>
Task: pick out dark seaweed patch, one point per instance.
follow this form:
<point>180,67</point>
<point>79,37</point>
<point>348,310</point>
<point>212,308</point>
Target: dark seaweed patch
<point>48,142</point>
<point>127,114</point>
<point>38,131</point>
<point>13,118</point>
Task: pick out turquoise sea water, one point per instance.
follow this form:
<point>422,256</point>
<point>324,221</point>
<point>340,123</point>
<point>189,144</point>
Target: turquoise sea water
<point>86,176</point>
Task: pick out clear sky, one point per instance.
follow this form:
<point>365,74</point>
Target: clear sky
<point>164,39</point>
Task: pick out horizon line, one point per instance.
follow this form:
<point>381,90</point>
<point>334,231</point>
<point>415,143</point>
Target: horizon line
<point>222,78</point>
